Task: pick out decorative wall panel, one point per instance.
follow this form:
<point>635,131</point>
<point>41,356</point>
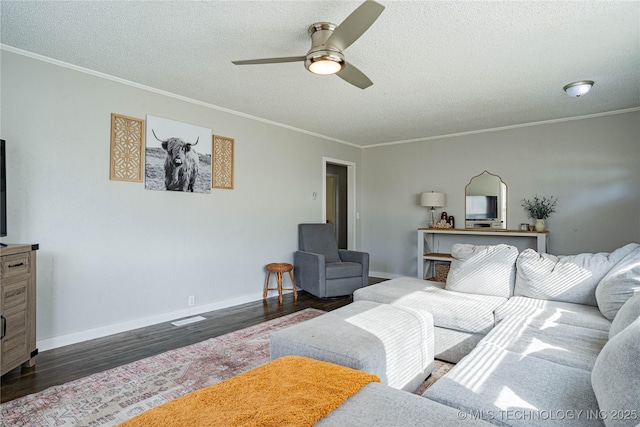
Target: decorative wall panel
<point>222,176</point>
<point>127,135</point>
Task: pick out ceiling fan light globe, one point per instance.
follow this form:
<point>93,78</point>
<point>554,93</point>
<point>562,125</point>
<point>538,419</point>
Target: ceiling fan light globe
<point>324,63</point>
<point>325,67</point>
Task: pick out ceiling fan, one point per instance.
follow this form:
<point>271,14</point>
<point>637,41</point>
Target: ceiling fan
<point>328,41</point>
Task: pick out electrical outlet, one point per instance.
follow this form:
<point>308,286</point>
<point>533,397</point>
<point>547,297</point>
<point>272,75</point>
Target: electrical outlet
<point>192,301</point>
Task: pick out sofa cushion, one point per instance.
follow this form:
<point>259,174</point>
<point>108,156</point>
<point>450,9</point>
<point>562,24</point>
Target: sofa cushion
<point>453,310</point>
<point>570,278</point>
<point>394,343</point>
<point>627,314</point>
<point>338,270</point>
<point>556,342</point>
<point>585,316</point>
<point>616,377</point>
<point>509,388</point>
<point>484,270</point>
<point>619,284</point>
<point>377,404</point>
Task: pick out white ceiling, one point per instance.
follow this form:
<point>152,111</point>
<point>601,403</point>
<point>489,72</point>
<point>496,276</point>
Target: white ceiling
<point>438,67</point>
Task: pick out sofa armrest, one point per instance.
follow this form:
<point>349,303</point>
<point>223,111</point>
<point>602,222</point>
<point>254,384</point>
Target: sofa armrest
<point>359,257</point>
<point>309,271</point>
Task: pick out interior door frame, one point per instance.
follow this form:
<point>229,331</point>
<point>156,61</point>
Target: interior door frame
<point>351,197</point>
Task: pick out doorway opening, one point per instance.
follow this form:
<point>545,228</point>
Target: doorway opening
<point>339,200</point>
<point>336,199</point>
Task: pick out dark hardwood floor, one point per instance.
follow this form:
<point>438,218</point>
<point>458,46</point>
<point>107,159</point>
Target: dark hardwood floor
<point>64,364</point>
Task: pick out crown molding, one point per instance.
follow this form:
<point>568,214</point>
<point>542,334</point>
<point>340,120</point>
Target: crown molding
<point>165,93</point>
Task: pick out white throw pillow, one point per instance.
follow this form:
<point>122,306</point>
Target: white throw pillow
<point>616,378</point>
<point>619,284</point>
<point>483,270</point>
<point>571,278</point>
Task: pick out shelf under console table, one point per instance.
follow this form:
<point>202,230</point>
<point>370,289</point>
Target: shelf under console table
<point>434,244</point>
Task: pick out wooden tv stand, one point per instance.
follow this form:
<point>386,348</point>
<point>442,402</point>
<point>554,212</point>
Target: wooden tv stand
<point>17,306</point>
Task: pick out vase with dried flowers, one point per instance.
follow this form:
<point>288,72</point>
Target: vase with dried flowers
<point>540,209</point>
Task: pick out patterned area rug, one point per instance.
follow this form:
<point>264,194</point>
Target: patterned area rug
<point>111,397</point>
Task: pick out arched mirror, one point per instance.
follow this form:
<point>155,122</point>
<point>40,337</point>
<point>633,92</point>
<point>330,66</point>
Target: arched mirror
<point>486,202</point>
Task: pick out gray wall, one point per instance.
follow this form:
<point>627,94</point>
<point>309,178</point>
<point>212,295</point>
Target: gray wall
<point>114,255</point>
<point>591,165</point>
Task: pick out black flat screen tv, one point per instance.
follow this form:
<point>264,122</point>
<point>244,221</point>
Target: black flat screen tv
<point>3,189</point>
<point>482,208</point>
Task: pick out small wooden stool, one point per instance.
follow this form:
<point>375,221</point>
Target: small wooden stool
<point>279,268</point>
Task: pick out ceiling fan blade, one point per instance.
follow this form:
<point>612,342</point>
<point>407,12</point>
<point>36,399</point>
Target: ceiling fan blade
<point>351,74</point>
<point>355,24</point>
<point>271,60</point>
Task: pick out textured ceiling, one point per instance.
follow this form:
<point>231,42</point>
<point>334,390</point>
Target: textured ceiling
<point>438,68</point>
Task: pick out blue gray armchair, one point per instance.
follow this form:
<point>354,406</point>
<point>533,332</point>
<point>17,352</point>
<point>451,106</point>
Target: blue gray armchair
<point>322,269</point>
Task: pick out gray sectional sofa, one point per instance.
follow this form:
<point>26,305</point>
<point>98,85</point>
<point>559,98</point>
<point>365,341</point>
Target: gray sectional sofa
<point>538,340</point>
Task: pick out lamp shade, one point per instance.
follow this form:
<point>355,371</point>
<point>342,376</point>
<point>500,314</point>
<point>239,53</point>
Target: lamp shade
<point>432,199</point>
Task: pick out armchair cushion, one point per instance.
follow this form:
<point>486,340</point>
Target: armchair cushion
<point>338,270</point>
<point>319,239</point>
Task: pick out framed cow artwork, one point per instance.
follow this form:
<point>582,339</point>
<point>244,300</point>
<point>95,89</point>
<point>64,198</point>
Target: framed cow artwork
<point>177,156</point>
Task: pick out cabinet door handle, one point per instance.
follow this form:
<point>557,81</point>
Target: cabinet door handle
<point>16,265</point>
<point>4,327</point>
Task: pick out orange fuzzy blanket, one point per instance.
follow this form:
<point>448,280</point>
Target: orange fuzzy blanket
<point>290,391</point>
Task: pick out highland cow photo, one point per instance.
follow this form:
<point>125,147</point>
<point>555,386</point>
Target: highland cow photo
<point>177,156</point>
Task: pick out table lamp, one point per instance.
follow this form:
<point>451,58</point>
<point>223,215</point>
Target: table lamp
<point>432,200</point>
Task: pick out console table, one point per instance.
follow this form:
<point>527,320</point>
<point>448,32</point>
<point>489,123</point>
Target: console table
<point>434,244</point>
<point>17,306</point>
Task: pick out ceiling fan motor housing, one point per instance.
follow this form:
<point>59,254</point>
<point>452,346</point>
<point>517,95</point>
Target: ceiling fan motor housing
<point>320,51</point>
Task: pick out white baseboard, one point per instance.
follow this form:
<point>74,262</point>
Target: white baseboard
<point>116,328</point>
<point>90,334</point>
